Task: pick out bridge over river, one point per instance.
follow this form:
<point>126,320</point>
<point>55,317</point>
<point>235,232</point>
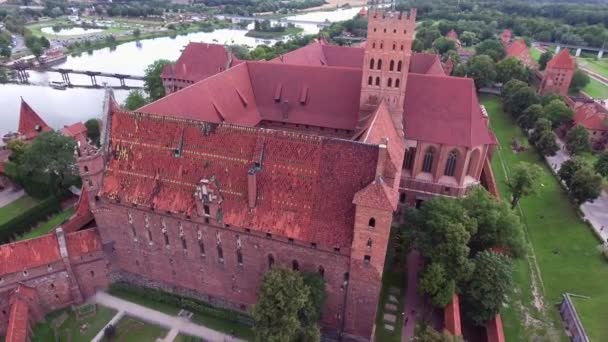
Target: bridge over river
<point>238,18</point>
<point>22,75</point>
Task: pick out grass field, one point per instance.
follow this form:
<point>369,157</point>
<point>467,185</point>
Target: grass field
<point>16,207</point>
<point>596,89</point>
<point>69,330</point>
<point>562,258</point>
<point>599,66</point>
<point>130,329</point>
<point>535,53</point>
<point>47,226</point>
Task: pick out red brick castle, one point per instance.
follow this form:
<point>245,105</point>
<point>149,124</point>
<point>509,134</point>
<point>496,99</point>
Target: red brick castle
<point>300,162</point>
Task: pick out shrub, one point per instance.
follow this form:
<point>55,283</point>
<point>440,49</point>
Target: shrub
<point>23,222</point>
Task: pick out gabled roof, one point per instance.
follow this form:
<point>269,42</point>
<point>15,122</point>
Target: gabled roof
<point>377,195</point>
<point>452,35</point>
<point>304,180</point>
<point>30,123</point>
<point>444,110</point>
<point>18,322</point>
<point>592,116</point>
<point>19,256</point>
<point>319,53</point>
<point>83,242</point>
<point>517,48</point>
<point>199,61</point>
<point>74,130</point>
<point>426,63</point>
<point>562,60</point>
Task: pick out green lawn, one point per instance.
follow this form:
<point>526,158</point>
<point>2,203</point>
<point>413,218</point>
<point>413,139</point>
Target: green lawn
<point>562,248</point>
<point>535,53</point>
<point>209,321</point>
<point>16,207</point>
<point>69,329</point>
<point>599,66</point>
<point>49,225</point>
<point>596,89</point>
<point>130,329</point>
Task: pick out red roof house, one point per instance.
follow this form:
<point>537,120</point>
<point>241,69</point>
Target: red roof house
<point>519,50</point>
<point>30,123</point>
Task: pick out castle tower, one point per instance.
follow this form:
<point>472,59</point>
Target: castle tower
<point>386,61</point>
<point>558,74</point>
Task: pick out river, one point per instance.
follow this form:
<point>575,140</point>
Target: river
<point>63,107</point>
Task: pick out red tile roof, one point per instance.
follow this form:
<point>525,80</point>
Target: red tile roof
<point>517,48</point>
<point>562,60</point>
<point>426,63</point>
<point>18,322</point>
<point>83,242</point>
<point>74,129</point>
<point>444,110</point>
<point>377,195</point>
<point>452,35</point>
<point>592,116</point>
<point>199,61</point>
<point>451,315</point>
<point>305,180</point>
<point>81,217</point>
<point>30,124</point>
<point>22,255</point>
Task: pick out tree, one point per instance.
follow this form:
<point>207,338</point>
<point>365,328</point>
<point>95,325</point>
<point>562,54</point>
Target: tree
<point>135,99</point>
<point>17,148</point>
<point>50,157</point>
<point>519,100</point>
<point>579,80</point>
<point>492,48</point>
<point>497,225</point>
<point>3,76</point>
<point>586,185</point>
<point>468,38</point>
<point>568,169</point>
<point>557,112</point>
<point>44,42</point>
<point>546,99</point>
<point>137,33</point>
<point>443,45</point>
<point>490,284</point>
<point>544,58</point>
<point>542,125</point>
<point>153,85</point>
<point>287,308</point>
<point>601,165</point>
<point>577,140</point>
<point>529,116</point>
<point>511,86</point>
<point>523,181</point>
<point>510,68</point>
<point>546,143</point>
<point>93,133</point>
<point>435,283</point>
<point>481,70</point>
<point>5,51</point>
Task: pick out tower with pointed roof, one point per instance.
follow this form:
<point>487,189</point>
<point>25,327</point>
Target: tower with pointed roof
<point>30,123</point>
<point>558,74</point>
<point>386,61</point>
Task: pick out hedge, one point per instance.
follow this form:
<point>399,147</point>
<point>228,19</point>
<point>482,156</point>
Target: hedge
<point>23,222</point>
<point>188,303</point>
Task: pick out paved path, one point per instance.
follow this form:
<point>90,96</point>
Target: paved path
<point>413,301</point>
<point>158,318</point>
<point>596,212</point>
<point>9,195</point>
<point>171,335</point>
<point>113,321</point>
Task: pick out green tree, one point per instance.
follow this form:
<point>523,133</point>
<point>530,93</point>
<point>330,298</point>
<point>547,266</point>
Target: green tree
<point>542,125</point>
<point>135,100</point>
<point>93,131</point>
<point>137,33</point>
<point>497,225</point>
<point>569,167</point>
<point>490,284</point>
<point>44,42</point>
<point>511,87</point>
<point>50,157</point>
<point>529,116</point>
<point>580,79</point>
<point>586,185</point>
<point>17,148</point>
<point>5,51</point>
<point>544,58</point>
<point>468,38</point>
<point>492,48</point>
<point>601,165</point>
<point>286,309</point>
<point>443,45</point>
<point>510,68</point>
<point>519,100</point>
<point>481,69</point>
<point>546,99</point>
<point>3,76</point>
<point>546,143</point>
<point>153,85</point>
<point>577,140</point>
<point>557,112</point>
<point>523,181</point>
<point>435,283</point>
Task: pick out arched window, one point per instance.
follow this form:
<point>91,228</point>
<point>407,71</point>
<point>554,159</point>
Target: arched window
<point>86,168</point>
<point>184,243</point>
<point>295,265</point>
<point>379,64</point>
<point>450,164</point>
<point>239,257</point>
<point>201,247</point>
<point>427,163</point>
<point>220,253</point>
<point>374,43</point>
<point>399,64</point>
<point>371,63</point>
<point>372,222</point>
<point>473,162</point>
<point>378,81</point>
<point>369,243</point>
<point>166,239</point>
<point>322,271</point>
<point>401,47</point>
<point>394,46</point>
<point>409,157</point>
<point>397,83</point>
<point>270,261</point>
<point>370,80</point>
<point>381,45</point>
<point>392,65</point>
<point>390,82</point>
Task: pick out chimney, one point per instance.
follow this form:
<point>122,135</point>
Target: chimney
<point>252,187</point>
<point>381,158</point>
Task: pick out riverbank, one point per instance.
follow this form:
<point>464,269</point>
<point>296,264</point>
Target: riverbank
<point>289,31</point>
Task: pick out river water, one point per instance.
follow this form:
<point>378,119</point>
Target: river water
<point>63,107</point>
